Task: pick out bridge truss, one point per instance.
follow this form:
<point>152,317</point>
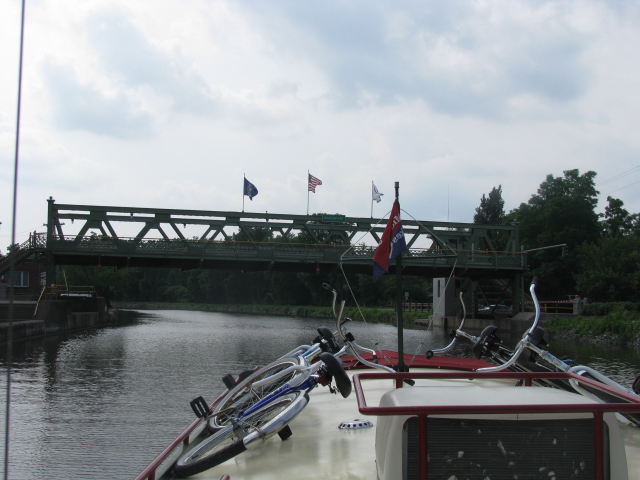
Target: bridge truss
<point>127,236</point>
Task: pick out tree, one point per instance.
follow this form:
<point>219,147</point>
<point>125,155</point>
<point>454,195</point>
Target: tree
<point>561,212</point>
<point>616,221</point>
<point>491,209</point>
<point>253,234</point>
<point>491,212</point>
<point>610,269</point>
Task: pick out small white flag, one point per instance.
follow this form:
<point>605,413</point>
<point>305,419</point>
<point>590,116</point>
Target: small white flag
<point>376,194</point>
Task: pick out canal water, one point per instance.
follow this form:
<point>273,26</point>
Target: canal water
<point>103,404</point>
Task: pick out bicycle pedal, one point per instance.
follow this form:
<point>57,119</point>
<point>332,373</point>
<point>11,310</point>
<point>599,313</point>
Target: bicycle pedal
<point>200,407</point>
<point>285,433</point>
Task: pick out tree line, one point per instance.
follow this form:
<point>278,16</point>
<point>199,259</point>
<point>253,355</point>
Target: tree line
<point>592,255</point>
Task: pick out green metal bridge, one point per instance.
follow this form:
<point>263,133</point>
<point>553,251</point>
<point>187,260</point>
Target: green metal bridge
<point>148,237</point>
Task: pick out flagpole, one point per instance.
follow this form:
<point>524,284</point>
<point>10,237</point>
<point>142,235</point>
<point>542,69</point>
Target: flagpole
<point>371,198</point>
<point>401,367</point>
<point>243,182</point>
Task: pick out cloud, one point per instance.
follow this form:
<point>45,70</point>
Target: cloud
<point>170,103</point>
<point>131,61</point>
<point>459,58</point>
<point>83,107</point>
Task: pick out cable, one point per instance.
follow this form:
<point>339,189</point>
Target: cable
<point>622,188</point>
<point>623,174</point>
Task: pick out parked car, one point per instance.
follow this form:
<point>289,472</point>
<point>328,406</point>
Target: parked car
<point>493,310</point>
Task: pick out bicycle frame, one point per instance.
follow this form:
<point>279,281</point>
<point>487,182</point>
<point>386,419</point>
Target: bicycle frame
<point>307,385</point>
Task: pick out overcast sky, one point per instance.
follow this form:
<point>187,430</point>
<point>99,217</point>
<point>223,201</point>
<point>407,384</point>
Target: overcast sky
<point>170,103</point>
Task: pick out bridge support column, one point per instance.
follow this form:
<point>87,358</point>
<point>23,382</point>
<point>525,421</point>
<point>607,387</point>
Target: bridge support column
<point>50,266</point>
<point>446,304</point>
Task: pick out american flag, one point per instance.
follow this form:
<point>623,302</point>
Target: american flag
<point>313,183</point>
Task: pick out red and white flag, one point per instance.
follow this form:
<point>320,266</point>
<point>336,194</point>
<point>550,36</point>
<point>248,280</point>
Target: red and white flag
<point>313,183</point>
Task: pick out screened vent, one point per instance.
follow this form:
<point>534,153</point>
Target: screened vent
<point>503,449</point>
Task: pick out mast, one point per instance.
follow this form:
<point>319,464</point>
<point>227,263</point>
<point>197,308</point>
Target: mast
<point>401,367</point>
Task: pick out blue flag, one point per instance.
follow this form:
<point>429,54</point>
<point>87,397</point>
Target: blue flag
<point>250,189</point>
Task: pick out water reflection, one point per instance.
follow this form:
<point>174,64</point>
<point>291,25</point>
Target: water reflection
<point>112,399</point>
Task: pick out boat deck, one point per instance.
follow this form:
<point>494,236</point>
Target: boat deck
<point>318,449</point>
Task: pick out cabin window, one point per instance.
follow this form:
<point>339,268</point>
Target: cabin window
<point>501,449</point>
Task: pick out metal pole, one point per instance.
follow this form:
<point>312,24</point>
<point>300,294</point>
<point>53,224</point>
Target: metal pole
<point>12,254</point>
<point>401,367</point>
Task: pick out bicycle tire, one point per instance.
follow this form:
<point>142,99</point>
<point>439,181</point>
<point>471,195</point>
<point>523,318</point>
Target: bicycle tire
<point>243,395</point>
<point>232,440</point>
<point>226,444</point>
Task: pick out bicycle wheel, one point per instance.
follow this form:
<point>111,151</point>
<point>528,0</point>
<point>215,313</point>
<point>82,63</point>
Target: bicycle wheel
<point>232,440</point>
<point>246,393</point>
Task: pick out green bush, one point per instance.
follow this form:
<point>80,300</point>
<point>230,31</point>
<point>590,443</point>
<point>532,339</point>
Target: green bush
<point>624,325</point>
<point>601,309</point>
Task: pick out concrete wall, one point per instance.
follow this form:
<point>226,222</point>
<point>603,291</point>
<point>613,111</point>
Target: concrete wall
<point>54,317</point>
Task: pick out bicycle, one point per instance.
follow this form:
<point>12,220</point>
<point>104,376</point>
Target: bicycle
<point>262,403</point>
<point>252,388</point>
<point>529,356</point>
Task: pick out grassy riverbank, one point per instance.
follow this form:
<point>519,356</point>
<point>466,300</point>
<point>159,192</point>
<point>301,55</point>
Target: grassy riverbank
<point>373,315</point>
<point>614,327</point>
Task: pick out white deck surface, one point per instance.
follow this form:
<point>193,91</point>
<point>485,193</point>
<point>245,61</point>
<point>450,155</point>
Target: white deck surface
<point>319,450</point>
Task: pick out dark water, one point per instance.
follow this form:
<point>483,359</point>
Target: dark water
<point>104,404</point>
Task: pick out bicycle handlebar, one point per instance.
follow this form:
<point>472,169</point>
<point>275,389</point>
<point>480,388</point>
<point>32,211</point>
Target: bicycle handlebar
<point>349,343</point>
<point>524,341</point>
<point>458,332</point>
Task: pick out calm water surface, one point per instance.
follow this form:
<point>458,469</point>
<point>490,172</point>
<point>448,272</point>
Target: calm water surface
<point>104,404</point>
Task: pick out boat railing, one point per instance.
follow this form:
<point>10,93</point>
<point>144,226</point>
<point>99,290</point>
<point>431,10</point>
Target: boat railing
<point>627,403</point>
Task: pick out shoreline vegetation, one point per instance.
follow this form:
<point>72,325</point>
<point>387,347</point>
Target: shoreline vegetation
<point>610,328</point>
<point>373,315</point>
<point>602,323</point>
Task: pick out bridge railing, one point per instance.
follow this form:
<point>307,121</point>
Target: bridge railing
<point>433,255</point>
<point>19,252</point>
<point>279,251</point>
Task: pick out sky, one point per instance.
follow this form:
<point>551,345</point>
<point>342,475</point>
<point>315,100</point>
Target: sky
<point>170,104</point>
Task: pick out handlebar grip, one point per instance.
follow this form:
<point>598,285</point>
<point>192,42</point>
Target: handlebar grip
<point>326,286</point>
<point>535,281</point>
